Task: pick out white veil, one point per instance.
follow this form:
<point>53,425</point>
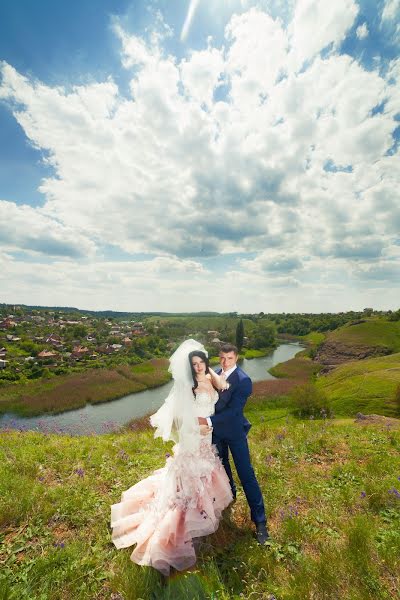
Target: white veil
<point>176,419</point>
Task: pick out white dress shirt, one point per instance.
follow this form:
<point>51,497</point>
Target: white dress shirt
<point>224,374</point>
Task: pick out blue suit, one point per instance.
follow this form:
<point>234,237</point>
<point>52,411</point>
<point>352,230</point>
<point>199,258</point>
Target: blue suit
<point>230,428</point>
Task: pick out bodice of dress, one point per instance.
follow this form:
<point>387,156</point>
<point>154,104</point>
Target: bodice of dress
<point>205,403</point>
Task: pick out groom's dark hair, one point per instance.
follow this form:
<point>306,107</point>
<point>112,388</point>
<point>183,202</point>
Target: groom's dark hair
<point>225,348</point>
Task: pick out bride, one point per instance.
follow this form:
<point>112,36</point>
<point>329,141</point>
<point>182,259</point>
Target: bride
<point>183,500</point>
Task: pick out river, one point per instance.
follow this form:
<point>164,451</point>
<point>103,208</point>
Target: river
<point>109,416</point>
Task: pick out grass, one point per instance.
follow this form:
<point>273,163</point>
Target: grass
<point>329,487</point>
<point>314,338</point>
<point>252,353</point>
<point>66,392</point>
<point>372,332</point>
<point>366,386</point>
<point>300,367</point>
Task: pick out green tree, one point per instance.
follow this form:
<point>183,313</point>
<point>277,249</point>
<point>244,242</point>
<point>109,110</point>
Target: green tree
<point>263,336</point>
<point>239,335</point>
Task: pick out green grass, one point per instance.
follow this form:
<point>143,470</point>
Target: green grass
<point>252,353</point>
<point>299,367</point>
<point>66,392</point>
<point>328,488</point>
<point>366,386</point>
<point>314,337</point>
<point>373,332</point>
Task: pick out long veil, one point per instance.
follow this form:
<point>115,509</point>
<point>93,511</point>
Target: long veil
<point>176,419</point>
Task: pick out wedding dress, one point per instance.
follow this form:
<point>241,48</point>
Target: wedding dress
<point>181,501</point>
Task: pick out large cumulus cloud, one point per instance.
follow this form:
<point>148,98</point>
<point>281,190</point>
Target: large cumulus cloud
<point>223,151</point>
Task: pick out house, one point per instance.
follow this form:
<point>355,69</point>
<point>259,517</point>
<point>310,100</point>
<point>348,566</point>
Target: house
<point>7,323</point>
<point>54,340</point>
<point>105,349</point>
<point>3,363</point>
<point>3,352</point>
<point>127,341</point>
<point>116,346</point>
<point>213,334</point>
<point>47,354</point>
<point>79,351</point>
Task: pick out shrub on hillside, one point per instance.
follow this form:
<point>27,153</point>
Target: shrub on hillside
<point>309,401</point>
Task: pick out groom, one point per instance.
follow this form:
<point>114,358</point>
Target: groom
<point>230,429</point>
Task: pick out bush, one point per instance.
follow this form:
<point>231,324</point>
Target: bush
<point>309,401</point>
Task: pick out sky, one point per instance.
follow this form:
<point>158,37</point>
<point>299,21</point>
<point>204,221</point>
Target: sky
<point>232,155</point>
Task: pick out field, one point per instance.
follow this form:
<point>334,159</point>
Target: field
<point>366,386</point>
<point>67,392</point>
<point>331,490</point>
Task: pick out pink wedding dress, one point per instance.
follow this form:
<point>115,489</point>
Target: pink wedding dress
<point>181,501</point>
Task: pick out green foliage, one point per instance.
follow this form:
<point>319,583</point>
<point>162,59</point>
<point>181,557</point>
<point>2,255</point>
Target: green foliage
<point>394,316</point>
<point>239,335</point>
<point>263,336</point>
<point>309,401</point>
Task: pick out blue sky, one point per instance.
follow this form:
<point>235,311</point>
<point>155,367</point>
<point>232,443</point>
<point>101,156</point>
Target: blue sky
<point>256,155</point>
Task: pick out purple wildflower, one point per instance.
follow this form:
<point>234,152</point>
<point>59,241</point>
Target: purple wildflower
<point>167,455</point>
<point>363,494</point>
<point>80,472</point>
<point>59,544</point>
<point>394,492</point>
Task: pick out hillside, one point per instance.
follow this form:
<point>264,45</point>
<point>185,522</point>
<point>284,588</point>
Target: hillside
<point>359,340</point>
<point>331,491</point>
<point>366,386</point>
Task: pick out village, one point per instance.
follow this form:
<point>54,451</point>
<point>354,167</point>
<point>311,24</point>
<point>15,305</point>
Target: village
<point>32,340</point>
<point>37,342</point>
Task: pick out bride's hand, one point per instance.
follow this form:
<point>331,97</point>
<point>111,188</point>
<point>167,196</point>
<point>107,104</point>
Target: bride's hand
<point>205,429</point>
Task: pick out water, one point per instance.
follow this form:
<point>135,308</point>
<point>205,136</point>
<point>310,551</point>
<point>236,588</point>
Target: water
<point>109,416</point>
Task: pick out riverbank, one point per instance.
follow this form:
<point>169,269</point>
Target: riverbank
<point>94,386</point>
<point>331,490</point>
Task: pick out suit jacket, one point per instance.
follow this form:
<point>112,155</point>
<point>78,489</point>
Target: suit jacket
<point>228,421</point>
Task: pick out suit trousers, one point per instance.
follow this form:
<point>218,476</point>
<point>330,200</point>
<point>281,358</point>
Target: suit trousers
<point>241,457</point>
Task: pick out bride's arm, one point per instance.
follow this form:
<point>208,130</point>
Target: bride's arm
<point>218,382</point>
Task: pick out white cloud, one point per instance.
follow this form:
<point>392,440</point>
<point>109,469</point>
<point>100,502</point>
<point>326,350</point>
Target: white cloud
<point>362,31</point>
<point>391,10</point>
<point>316,25</point>
<point>232,149</point>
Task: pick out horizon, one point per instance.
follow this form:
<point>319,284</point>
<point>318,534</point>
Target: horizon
<point>16,306</point>
<point>238,156</point>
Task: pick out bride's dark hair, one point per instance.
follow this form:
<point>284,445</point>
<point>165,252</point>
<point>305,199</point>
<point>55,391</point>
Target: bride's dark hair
<point>203,357</point>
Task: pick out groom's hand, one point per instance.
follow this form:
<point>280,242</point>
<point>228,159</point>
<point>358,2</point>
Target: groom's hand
<point>202,421</point>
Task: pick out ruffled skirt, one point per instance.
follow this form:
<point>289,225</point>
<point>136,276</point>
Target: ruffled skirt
<point>164,512</point>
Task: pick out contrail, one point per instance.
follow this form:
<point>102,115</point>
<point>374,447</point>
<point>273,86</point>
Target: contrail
<point>189,17</point>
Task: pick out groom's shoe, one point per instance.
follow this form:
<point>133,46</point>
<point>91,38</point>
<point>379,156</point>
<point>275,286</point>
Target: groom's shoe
<point>262,534</point>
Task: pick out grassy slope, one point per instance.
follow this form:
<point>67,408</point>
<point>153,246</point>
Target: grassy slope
<point>299,367</point>
<point>373,332</point>
<point>366,386</point>
<point>67,392</point>
<point>334,520</point>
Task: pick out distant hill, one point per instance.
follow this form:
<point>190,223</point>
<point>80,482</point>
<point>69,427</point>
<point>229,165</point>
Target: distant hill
<point>371,332</point>
<point>366,386</point>
<point>358,340</point>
